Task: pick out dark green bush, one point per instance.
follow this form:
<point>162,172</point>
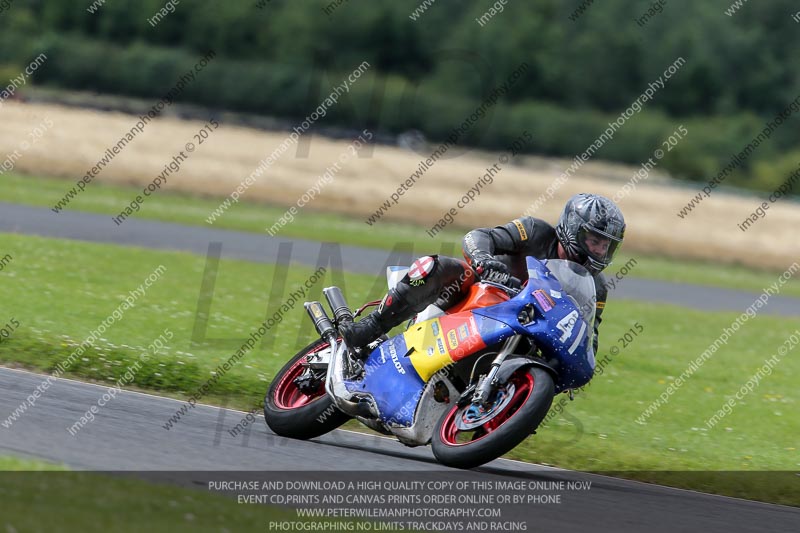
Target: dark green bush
<point>393,104</point>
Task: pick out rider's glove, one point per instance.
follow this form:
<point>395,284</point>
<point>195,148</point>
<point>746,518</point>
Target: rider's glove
<point>490,269</point>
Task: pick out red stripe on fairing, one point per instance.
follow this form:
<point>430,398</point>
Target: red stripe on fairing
<point>468,346</point>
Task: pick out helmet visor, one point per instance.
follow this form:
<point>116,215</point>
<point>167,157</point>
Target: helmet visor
<point>598,245</point>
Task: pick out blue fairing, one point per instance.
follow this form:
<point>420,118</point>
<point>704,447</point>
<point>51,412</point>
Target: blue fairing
<point>568,349</point>
<point>392,381</point>
<point>558,329</point>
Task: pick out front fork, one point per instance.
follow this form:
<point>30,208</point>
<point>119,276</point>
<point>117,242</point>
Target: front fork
<point>488,384</point>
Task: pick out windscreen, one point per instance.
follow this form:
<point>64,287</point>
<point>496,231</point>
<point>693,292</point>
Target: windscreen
<point>578,283</point>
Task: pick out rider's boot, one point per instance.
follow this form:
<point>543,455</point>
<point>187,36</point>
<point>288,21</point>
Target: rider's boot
<point>393,311</point>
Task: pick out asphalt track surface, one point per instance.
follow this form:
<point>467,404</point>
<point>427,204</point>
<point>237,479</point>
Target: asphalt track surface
<point>127,434</point>
<point>261,248</point>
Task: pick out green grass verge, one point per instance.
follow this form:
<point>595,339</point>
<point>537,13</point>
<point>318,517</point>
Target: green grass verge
<point>244,216</point>
<point>10,463</point>
<point>318,226</point>
<point>39,496</point>
<point>60,290</point>
<point>599,429</point>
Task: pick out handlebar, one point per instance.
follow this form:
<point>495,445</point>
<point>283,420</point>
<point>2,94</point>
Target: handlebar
<point>513,286</point>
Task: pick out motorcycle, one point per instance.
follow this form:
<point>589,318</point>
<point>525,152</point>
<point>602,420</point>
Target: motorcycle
<point>473,381</point>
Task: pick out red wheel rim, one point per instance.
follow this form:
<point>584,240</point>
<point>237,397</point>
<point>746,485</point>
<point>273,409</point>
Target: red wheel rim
<point>287,396</point>
<point>451,435</point>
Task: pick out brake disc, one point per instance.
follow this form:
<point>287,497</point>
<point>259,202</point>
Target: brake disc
<point>475,415</point>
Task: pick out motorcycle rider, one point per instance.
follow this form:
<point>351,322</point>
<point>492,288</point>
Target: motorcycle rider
<point>589,232</point>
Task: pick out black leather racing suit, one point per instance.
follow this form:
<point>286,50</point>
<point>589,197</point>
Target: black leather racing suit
<point>450,278</point>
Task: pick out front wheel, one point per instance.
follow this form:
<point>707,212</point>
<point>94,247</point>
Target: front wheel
<point>469,436</point>
<point>301,413</point>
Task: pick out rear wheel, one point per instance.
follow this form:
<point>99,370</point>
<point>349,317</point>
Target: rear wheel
<point>470,436</point>
<point>296,404</point>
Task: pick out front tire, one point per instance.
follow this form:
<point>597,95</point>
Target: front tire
<point>290,412</point>
<point>466,438</point>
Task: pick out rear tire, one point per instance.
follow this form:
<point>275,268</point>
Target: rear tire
<point>514,422</point>
<point>289,412</point>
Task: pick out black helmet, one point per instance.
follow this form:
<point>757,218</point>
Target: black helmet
<point>589,223</point>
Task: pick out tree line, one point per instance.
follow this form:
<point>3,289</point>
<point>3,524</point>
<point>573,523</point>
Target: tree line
<point>277,57</point>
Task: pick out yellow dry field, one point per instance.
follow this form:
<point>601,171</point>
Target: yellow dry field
<point>80,137</point>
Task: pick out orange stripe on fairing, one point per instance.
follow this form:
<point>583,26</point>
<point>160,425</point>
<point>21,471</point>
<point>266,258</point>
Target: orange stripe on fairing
<point>479,295</point>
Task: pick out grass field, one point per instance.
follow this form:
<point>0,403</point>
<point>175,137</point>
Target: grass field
<point>17,464</point>
<point>78,138</point>
<point>254,217</point>
<point>60,290</point>
<point>66,289</point>
<point>39,496</point>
